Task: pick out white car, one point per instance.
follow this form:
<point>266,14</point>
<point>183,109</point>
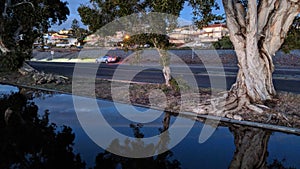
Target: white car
<point>64,45</point>
<point>108,59</point>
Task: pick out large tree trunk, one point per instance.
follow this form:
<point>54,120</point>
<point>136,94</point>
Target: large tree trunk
<point>257,30</point>
<point>251,146</point>
<point>254,79</point>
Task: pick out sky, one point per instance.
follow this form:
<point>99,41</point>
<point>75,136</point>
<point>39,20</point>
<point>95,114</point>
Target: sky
<point>73,5</point>
<point>185,14</point>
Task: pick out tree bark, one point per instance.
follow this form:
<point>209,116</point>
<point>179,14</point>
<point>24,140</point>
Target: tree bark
<point>166,65</point>
<point>257,31</point>
<point>251,146</point>
<point>254,79</point>
<point>167,74</point>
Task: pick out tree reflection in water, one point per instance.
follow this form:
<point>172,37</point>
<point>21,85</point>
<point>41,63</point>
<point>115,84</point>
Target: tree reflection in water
<point>30,141</point>
<point>251,145</point>
<point>161,161</point>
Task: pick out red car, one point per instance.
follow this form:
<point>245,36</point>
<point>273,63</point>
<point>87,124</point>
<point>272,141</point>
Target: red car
<point>107,59</point>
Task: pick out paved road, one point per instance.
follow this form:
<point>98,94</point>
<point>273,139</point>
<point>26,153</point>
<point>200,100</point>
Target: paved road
<point>285,79</point>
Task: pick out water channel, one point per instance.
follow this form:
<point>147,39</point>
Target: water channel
<point>41,130</point>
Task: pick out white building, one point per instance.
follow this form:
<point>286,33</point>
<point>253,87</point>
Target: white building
<point>213,33</point>
<point>190,35</point>
<point>183,35</point>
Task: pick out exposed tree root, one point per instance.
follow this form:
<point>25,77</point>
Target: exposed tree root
<point>231,105</point>
<point>41,77</point>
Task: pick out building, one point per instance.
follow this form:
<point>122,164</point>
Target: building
<point>52,38</point>
<point>107,41</point>
<point>190,35</point>
<point>183,35</point>
<point>213,33</point>
<point>66,32</point>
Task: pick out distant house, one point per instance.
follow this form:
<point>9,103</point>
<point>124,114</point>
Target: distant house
<point>213,33</point>
<point>66,32</point>
<point>105,41</point>
<point>190,35</point>
<point>58,38</point>
<point>177,38</point>
<point>182,35</point>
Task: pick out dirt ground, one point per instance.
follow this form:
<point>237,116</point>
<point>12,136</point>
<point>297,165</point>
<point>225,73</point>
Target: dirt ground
<point>284,110</point>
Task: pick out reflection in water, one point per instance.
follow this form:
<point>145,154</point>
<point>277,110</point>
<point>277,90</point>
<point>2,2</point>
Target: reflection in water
<point>30,141</point>
<point>251,147</point>
<point>161,161</point>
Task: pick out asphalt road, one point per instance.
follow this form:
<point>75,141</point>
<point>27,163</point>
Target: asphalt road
<point>285,79</point>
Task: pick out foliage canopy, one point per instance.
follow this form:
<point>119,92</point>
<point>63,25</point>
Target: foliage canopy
<point>24,21</point>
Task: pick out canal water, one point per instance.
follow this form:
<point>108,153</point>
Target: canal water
<point>31,139</point>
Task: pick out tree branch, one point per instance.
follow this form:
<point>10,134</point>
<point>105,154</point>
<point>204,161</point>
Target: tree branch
<point>18,31</point>
<point>252,17</point>
<point>264,10</point>
<point>21,3</point>
<point>240,14</point>
<point>3,48</point>
<point>279,23</point>
<point>9,5</point>
<point>238,40</point>
<point>236,36</point>
<point>6,5</point>
<point>231,16</point>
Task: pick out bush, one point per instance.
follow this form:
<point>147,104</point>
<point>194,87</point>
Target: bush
<point>223,43</point>
<point>292,41</point>
<point>14,59</point>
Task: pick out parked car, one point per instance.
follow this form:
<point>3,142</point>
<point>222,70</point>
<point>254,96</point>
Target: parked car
<point>108,59</point>
<point>47,47</point>
<point>64,45</point>
<point>40,47</point>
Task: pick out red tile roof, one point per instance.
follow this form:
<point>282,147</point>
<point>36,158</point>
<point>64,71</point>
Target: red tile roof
<point>215,25</point>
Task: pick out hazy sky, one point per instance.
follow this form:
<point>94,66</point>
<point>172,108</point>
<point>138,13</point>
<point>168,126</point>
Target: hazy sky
<point>186,14</point>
